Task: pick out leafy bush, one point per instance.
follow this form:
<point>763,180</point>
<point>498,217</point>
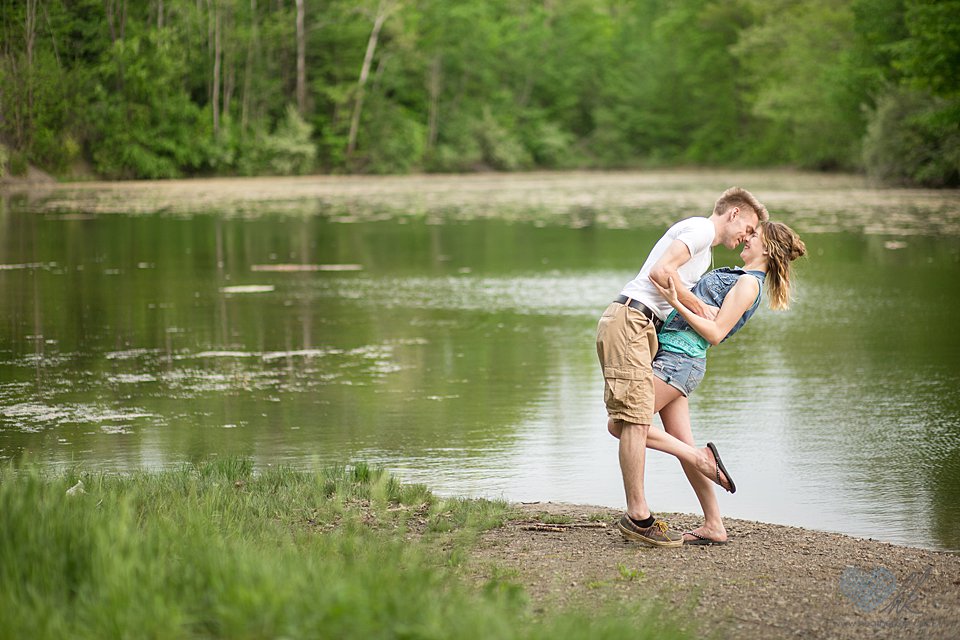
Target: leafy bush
<point>550,146</point>
<point>913,138</point>
<point>289,150</point>
<point>457,149</point>
<point>398,141</point>
<point>500,145</point>
<point>143,123</point>
<point>469,143</point>
<point>18,164</point>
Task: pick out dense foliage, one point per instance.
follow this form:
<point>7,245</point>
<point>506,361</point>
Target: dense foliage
<point>162,88</point>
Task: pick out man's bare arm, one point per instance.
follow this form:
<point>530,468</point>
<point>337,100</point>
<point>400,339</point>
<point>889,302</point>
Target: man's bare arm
<point>666,267</point>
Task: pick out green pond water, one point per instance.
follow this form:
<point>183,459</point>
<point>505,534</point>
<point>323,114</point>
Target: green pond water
<point>458,351</point>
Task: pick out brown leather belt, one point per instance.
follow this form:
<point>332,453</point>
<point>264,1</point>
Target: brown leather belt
<point>642,308</point>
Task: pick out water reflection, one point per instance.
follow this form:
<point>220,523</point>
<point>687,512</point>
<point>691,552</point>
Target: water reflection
<point>461,355</point>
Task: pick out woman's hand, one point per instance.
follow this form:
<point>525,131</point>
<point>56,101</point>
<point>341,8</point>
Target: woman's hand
<point>669,294</point>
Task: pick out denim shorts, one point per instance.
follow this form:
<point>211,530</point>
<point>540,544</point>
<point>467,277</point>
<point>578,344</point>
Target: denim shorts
<point>678,370</point>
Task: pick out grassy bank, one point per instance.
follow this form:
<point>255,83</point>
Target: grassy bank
<point>221,550</point>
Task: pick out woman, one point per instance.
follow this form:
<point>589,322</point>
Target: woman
<point>680,363</point>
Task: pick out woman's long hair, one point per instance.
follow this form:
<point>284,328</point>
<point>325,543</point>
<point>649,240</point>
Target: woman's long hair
<point>782,246</point>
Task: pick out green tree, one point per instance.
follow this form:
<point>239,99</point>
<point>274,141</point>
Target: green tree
<point>803,81</point>
<point>186,87</point>
<point>146,126</point>
<point>914,132</point>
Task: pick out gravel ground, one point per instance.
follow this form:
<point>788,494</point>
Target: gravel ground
<point>769,581</point>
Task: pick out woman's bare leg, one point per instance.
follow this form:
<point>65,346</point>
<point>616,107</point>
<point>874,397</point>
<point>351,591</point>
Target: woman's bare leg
<point>690,456</point>
<point>676,422</point>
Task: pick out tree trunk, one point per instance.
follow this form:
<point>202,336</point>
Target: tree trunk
<point>215,99</point>
<point>384,9</point>
<point>108,9</point>
<point>29,37</point>
<point>53,38</point>
<point>248,69</point>
<point>301,62</point>
<point>227,66</point>
<point>434,86</point>
<point>116,31</point>
<point>229,83</point>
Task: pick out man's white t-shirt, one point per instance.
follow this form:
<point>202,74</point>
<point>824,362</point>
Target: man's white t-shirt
<point>698,234</point>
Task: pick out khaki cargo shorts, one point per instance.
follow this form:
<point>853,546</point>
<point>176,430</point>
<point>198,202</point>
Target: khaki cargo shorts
<point>626,345</point>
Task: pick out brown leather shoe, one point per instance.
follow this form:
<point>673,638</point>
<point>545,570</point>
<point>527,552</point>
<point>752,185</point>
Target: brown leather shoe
<point>657,534</point>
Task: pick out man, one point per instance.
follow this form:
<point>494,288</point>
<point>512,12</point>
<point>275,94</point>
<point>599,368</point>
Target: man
<point>627,340</point>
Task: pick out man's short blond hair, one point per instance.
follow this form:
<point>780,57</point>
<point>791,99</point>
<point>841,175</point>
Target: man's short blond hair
<point>737,197</point>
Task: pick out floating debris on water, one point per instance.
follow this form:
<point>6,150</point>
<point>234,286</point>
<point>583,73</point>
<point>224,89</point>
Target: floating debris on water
<point>303,353</point>
<point>68,413</point>
<point>114,429</point>
<point>130,354</point>
<point>248,288</point>
<point>131,378</point>
<point>293,268</point>
<point>221,354</point>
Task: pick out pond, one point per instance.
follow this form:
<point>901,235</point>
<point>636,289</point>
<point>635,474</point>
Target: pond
<point>328,321</point>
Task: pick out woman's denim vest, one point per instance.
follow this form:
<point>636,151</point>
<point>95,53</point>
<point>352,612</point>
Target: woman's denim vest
<point>712,289</point>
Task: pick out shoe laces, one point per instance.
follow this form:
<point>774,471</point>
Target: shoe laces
<point>661,525</point>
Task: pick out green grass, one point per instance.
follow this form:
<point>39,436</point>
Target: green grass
<point>549,518</point>
<point>220,550</point>
<point>628,574</point>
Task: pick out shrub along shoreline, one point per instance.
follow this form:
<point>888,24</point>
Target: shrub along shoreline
<point>220,549</point>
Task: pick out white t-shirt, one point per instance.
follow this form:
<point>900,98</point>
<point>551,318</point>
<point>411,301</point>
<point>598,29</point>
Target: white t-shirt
<point>698,234</point>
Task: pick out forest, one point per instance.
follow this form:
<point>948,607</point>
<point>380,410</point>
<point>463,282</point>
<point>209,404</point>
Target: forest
<point>148,89</point>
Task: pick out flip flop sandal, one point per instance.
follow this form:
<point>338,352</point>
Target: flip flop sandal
<point>720,467</point>
<point>701,540</point>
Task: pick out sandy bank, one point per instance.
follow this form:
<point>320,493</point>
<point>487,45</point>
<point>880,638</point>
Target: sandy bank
<point>769,581</point>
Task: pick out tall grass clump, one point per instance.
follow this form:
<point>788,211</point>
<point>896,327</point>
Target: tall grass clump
<point>220,550</point>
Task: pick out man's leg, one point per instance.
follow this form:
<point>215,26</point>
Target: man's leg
<point>638,523</point>
<point>633,452</point>
<point>626,344</point>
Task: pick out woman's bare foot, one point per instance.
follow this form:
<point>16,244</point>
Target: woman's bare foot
<point>706,535</point>
<point>707,465</point>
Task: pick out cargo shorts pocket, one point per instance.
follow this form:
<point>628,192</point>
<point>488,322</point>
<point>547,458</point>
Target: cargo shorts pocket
<point>620,385</point>
<point>629,395</point>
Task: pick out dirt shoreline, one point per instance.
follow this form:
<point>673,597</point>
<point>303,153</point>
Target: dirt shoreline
<point>769,581</point>
<point>810,202</point>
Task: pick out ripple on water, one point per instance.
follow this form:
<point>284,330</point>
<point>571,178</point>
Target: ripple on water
<point>32,416</point>
<point>554,293</point>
